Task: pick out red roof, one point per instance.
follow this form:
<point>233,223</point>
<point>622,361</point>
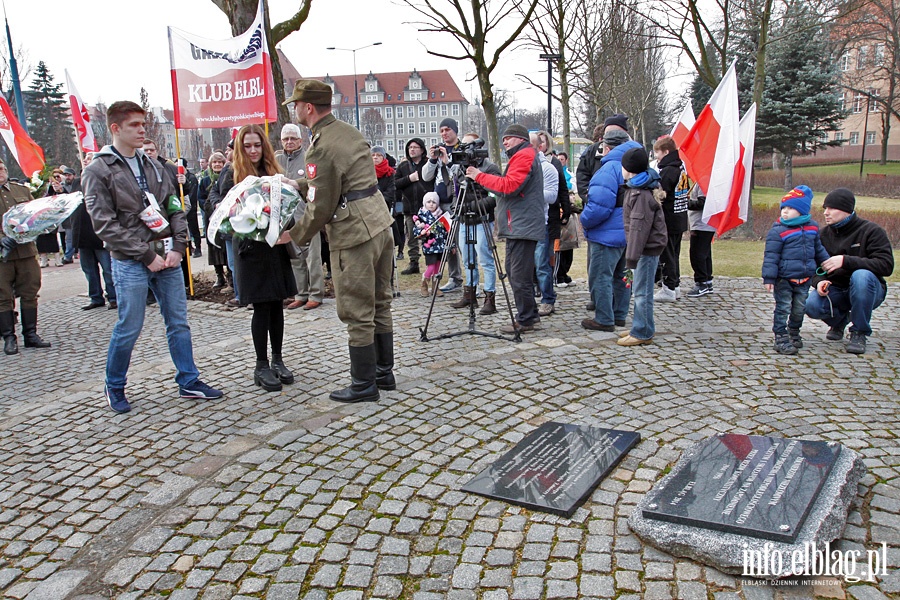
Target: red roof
<point>440,86</point>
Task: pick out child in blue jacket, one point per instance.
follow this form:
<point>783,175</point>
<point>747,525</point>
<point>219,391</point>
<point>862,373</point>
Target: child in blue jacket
<point>793,252</point>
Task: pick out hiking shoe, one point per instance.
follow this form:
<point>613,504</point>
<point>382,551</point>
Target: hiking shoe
<point>116,399</point>
<point>630,340</point>
<point>545,310</point>
<point>701,289</point>
<point>857,343</point>
<point>412,269</point>
<point>835,335</point>
<point>200,391</point>
<point>664,295</point>
<point>595,326</point>
<point>783,345</point>
<point>796,340</point>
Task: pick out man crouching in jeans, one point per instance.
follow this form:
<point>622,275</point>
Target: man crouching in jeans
<point>119,185</point>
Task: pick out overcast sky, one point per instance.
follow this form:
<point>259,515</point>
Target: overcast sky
<point>112,48</point>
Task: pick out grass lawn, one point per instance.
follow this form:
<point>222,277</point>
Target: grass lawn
<point>769,196</point>
<point>849,169</point>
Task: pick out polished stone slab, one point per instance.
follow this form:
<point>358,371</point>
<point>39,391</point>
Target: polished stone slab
<point>555,467</point>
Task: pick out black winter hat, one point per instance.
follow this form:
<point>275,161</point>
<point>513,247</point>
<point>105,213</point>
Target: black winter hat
<point>636,161</point>
<point>617,119</point>
<point>515,130</point>
<point>841,199</point>
<point>451,123</point>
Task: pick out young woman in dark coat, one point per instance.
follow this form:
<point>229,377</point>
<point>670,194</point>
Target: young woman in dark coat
<point>264,273</point>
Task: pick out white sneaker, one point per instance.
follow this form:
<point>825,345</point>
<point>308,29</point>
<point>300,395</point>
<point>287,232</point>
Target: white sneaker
<point>678,293</point>
<point>664,295</point>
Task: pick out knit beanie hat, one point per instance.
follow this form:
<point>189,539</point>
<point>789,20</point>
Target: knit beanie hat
<point>800,198</point>
<point>841,199</point>
<point>617,119</point>
<point>379,150</point>
<point>636,161</point>
<point>451,123</point>
<point>615,138</point>
<point>515,130</point>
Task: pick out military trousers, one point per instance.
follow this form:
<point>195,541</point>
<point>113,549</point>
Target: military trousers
<point>362,287</point>
<point>22,277</point>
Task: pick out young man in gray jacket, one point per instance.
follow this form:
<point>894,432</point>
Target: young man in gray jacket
<point>119,186</point>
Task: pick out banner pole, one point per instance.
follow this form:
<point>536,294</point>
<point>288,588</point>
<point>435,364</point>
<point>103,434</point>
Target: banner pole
<point>187,252</point>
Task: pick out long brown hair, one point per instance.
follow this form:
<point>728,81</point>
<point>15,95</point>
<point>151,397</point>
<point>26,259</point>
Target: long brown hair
<point>242,165</point>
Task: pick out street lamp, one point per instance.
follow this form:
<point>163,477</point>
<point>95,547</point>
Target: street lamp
<point>550,58</point>
<point>355,84</point>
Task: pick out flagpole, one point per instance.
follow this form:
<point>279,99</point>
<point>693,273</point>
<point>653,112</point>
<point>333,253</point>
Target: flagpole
<point>14,73</point>
<point>187,251</point>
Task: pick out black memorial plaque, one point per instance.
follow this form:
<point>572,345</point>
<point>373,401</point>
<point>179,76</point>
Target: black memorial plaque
<point>746,484</point>
<point>555,467</point>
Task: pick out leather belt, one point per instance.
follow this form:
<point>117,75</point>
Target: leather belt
<point>360,194</point>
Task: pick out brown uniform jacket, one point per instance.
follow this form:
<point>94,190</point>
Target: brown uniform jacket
<point>10,195</point>
<point>114,201</point>
<point>339,162</point>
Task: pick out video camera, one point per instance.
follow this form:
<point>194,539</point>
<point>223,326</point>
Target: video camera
<point>470,154</point>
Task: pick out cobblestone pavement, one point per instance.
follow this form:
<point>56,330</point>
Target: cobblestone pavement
<point>290,495</point>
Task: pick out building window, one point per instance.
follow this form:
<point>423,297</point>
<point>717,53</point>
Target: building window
<point>421,111</point>
<point>843,100</point>
<point>857,103</point>
<point>390,145</point>
<point>854,138</point>
<point>410,128</point>
<point>433,127</point>
<point>443,110</point>
<point>878,58</point>
<point>388,112</point>
<point>870,138</point>
<point>454,110</point>
<point>421,127</point>
<point>845,61</point>
<point>414,96</point>
<point>434,141</point>
<point>371,98</point>
<point>400,130</point>
<point>401,143</point>
<point>432,110</point>
<point>839,136</point>
<point>389,129</point>
<point>874,104</point>
<point>862,54</point>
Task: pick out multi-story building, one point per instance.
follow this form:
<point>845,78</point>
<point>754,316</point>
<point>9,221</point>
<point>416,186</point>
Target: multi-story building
<point>394,107</point>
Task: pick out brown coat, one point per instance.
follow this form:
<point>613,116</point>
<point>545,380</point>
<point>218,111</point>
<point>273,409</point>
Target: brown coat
<point>645,224</point>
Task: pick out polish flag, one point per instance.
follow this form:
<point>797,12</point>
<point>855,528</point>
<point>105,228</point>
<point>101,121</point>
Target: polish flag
<point>445,221</point>
<point>735,212</point>
<point>27,153</point>
<point>81,118</point>
<point>685,121</point>
<point>712,148</point>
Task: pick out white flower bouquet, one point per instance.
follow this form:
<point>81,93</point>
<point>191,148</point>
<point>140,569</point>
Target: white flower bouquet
<point>25,222</point>
<point>258,208</point>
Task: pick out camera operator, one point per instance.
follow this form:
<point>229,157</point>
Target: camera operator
<point>437,169</point>
<point>521,208</point>
<point>478,202</point>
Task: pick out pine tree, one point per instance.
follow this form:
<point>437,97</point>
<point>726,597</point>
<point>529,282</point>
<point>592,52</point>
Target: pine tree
<point>801,102</point>
<point>48,119</point>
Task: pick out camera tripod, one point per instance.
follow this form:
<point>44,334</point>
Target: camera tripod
<point>462,209</point>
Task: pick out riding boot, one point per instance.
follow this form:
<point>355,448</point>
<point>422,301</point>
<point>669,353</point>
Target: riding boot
<point>280,370</point>
<point>490,304</point>
<point>384,361</point>
<point>468,297</point>
<point>362,386</point>
<point>220,277</point>
<point>265,377</point>
<point>29,329</point>
<point>8,332</point>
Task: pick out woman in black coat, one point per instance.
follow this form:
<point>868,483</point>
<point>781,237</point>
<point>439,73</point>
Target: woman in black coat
<point>385,173</point>
<point>215,254</point>
<point>264,273</point>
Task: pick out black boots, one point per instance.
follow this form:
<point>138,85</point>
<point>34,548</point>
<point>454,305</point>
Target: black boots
<point>265,377</point>
<point>284,375</point>
<point>8,332</point>
<point>796,340</point>
<point>220,277</point>
<point>490,304</point>
<point>384,361</point>
<point>362,377</point>
<point>29,329</point>
<point>468,297</point>
<point>411,269</point>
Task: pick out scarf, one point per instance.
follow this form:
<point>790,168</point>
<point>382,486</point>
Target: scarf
<point>844,221</point>
<point>384,169</point>
<point>796,221</point>
<point>649,179</point>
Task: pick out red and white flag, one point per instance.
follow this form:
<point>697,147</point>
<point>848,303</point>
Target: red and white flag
<point>445,221</point>
<point>222,83</point>
<point>735,212</point>
<point>81,118</point>
<point>27,153</point>
<point>685,121</point>
<point>712,147</point>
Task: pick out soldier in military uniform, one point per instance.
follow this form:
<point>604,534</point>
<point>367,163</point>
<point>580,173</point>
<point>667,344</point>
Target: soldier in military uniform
<point>19,274</point>
<point>342,194</point>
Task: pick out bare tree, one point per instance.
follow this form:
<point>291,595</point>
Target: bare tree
<point>471,23</point>
<point>241,14</point>
<point>151,124</point>
<point>372,126</point>
<point>22,65</point>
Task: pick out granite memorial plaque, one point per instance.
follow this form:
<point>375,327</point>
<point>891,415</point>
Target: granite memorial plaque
<point>555,467</point>
<point>745,484</point>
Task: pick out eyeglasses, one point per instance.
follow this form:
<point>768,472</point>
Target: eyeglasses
<point>290,139</point>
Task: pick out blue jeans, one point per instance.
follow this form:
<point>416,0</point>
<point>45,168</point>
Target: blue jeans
<point>542,253</point>
<point>229,257</point>
<point>132,280</point>
<point>608,291</point>
<point>69,250</point>
<point>854,304</point>
<point>642,326</point>
<point>482,249</point>
<point>790,305</point>
<point>92,260</point>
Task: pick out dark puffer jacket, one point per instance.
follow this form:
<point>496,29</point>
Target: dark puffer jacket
<point>792,252</point>
<point>864,244</point>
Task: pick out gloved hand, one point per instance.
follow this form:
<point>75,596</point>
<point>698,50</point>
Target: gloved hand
<point>8,244</point>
